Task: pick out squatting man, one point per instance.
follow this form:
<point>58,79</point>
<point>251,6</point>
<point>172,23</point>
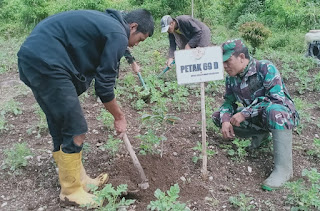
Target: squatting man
<point>267,107</point>
<point>58,61</point>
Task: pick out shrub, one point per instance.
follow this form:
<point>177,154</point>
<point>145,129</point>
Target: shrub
<point>158,8</point>
<point>255,33</point>
<point>249,17</point>
<point>34,11</point>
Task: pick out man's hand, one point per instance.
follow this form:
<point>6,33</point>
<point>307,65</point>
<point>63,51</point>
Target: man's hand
<point>170,60</point>
<point>135,67</point>
<point>120,122</point>
<point>187,47</point>
<point>227,130</point>
<point>120,125</point>
<point>237,119</point>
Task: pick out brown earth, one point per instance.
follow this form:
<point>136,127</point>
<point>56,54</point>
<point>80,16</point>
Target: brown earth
<point>36,187</point>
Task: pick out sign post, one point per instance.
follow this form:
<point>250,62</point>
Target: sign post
<point>199,65</point>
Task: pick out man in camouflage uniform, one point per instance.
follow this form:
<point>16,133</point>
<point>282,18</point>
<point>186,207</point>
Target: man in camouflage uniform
<point>267,107</point>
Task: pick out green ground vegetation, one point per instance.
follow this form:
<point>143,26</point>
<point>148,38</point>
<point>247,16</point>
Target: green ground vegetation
<point>287,21</point>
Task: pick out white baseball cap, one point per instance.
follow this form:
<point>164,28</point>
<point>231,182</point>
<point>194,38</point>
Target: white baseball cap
<point>165,23</point>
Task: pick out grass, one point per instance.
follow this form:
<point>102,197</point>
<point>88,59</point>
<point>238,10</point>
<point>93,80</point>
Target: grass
<point>286,49</point>
<point>305,193</point>
<point>303,107</point>
<point>8,58</point>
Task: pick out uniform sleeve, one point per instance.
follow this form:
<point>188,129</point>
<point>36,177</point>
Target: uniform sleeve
<point>107,71</point>
<point>274,92</point>
<point>229,106</point>
<point>197,33</point>
<point>173,45</point>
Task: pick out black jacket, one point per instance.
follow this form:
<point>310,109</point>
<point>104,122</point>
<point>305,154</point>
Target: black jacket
<point>87,44</point>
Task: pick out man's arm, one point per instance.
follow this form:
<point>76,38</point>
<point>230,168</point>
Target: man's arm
<point>227,109</point>
<point>196,32</point>
<point>132,61</point>
<point>106,74</point>
<point>173,46</point>
<point>120,123</point>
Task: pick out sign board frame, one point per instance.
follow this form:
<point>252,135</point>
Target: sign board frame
<point>199,65</point>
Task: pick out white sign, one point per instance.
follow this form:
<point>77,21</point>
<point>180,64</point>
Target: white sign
<point>199,65</point>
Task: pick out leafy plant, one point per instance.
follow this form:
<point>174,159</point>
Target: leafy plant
<point>247,17</point>
<point>161,120</point>
<point>11,106</point>
<point>16,157</point>
<point>316,148</point>
<point>86,147</point>
<point>3,123</point>
<point>255,33</point>
<point>242,201</point>
<point>302,107</point>
<point>112,195</point>
<point>167,202</point>
<point>240,151</point>
<point>112,145</point>
<point>129,80</point>
<point>305,194</point>
<point>198,149</point>
<point>139,104</point>
<point>149,142</point>
<point>106,118</point>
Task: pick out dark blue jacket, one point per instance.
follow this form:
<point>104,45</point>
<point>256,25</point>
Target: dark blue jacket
<point>87,44</point>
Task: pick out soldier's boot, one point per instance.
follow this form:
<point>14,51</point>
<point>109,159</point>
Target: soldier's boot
<point>69,177</point>
<point>86,181</point>
<point>257,136</point>
<point>282,150</point>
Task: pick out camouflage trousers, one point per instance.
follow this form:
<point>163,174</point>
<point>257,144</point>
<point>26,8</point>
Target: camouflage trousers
<point>274,116</point>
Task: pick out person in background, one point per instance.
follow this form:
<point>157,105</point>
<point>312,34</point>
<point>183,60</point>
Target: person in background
<point>185,32</point>
<point>267,107</point>
<point>58,61</point>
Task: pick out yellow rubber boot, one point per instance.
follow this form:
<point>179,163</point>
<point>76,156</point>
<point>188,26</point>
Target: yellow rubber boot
<point>69,177</point>
<point>86,180</point>
<point>56,156</point>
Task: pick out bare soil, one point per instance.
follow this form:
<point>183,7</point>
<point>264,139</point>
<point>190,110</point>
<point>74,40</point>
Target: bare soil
<point>36,187</point>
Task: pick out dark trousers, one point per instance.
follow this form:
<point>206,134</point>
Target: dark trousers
<point>57,97</point>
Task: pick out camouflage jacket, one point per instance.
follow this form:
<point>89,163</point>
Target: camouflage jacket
<point>255,88</point>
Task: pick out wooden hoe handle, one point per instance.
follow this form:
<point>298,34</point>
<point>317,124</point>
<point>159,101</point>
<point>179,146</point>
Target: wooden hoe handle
<point>144,184</point>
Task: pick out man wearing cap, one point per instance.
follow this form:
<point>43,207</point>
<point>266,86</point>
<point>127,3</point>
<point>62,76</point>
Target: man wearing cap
<point>58,61</point>
<point>267,107</point>
<point>185,32</point>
